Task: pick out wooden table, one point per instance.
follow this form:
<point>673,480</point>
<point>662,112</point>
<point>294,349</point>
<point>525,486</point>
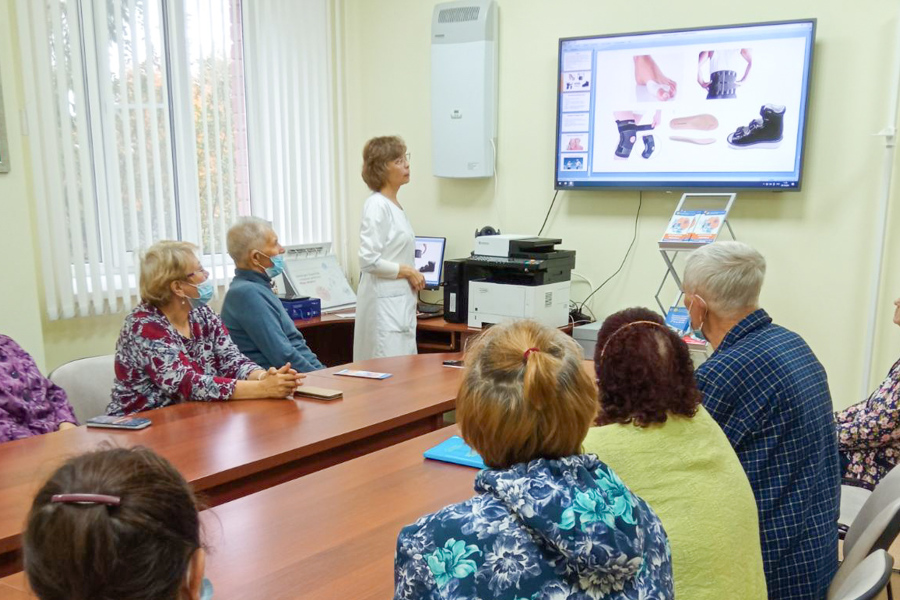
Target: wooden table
<point>230,449</point>
<point>331,534</point>
<point>331,336</point>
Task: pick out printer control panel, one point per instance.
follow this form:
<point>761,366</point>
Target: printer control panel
<point>500,261</point>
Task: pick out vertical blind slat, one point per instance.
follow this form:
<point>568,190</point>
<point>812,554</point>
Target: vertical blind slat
<point>69,203</point>
<point>87,196</point>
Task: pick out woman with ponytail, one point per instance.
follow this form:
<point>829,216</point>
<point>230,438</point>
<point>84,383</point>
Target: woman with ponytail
<point>547,521</point>
<point>115,524</point>
<point>668,449</point>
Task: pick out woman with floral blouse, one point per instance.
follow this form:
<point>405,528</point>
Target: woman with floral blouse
<point>547,521</point>
<point>30,404</point>
<point>173,348</point>
<point>868,433</point>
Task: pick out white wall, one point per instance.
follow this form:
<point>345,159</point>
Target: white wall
<point>20,317</point>
<point>818,242</point>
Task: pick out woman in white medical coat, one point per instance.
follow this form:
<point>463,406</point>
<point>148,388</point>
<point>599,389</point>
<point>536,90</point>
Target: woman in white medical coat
<point>389,282</point>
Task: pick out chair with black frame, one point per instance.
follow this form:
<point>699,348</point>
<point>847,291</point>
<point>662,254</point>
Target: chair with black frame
<point>870,577</point>
<point>869,532</point>
<point>866,501</point>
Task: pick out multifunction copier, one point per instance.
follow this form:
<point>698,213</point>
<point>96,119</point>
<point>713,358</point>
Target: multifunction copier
<point>509,277</point>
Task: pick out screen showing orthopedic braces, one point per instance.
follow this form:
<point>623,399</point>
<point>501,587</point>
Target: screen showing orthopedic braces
<point>429,260</point>
<point>720,108</point>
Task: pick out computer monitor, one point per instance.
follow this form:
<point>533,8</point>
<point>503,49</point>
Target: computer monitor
<point>430,260</point>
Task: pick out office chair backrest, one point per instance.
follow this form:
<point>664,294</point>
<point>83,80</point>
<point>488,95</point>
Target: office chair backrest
<point>88,383</point>
<point>878,534</point>
<point>867,580</point>
<point>887,490</point>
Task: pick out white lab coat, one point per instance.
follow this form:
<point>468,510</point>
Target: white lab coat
<point>385,305</point>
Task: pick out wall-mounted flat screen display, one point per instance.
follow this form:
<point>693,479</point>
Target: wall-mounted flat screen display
<point>710,108</point>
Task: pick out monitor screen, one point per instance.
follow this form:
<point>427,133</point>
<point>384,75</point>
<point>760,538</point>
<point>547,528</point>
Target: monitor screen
<point>430,259</point>
<point>721,108</point>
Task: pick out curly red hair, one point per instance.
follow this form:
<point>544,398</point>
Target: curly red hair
<point>644,370</point>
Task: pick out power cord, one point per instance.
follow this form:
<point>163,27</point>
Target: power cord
<point>549,210</point>
<point>624,258</point>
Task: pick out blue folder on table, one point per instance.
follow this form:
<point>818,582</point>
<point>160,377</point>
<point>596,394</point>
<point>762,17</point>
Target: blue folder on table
<point>456,451</point>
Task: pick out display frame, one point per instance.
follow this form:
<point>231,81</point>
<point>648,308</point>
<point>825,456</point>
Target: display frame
<point>687,181</point>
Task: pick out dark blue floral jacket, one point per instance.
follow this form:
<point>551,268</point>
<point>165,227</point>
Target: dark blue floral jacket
<point>564,529</point>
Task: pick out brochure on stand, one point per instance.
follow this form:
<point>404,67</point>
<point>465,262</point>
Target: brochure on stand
<point>692,228</point>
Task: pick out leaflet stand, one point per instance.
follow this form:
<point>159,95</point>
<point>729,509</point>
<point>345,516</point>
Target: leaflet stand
<point>312,270</point>
<point>717,204</point>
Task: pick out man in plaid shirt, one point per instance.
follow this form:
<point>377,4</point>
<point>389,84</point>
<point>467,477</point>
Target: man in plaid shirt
<point>769,393</point>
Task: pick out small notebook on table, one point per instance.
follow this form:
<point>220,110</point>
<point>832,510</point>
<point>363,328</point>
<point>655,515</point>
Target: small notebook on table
<point>456,451</point>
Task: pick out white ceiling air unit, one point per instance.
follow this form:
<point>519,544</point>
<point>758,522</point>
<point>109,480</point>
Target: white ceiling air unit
<point>464,88</point>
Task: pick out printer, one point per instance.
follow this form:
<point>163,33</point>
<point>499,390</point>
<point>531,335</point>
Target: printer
<point>509,277</point>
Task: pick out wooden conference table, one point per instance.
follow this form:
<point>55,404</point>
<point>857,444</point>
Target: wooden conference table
<point>331,534</point>
<point>227,450</point>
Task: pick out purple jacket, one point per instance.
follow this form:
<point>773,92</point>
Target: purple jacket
<point>30,404</point>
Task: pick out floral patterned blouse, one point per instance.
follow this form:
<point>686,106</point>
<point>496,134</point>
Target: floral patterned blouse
<point>868,433</point>
<point>30,404</point>
<point>156,366</point>
<point>565,529</point>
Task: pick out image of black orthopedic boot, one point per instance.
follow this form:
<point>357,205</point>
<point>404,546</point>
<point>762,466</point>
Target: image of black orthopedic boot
<point>765,132</point>
<point>427,267</point>
<point>722,84</point>
<point>649,146</point>
<point>627,136</point>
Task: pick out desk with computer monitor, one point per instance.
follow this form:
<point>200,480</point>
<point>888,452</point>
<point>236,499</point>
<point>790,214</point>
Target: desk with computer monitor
<point>429,261</point>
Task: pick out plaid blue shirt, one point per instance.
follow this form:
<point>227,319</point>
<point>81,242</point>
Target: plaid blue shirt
<point>768,392</point>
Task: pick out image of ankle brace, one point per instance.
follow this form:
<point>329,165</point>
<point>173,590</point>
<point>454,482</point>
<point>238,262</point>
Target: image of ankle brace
<point>649,146</point>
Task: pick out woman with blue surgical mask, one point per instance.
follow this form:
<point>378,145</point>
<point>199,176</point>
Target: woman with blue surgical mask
<point>173,348</point>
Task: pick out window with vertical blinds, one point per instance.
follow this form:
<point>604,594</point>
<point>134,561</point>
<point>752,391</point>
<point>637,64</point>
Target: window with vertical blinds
<point>291,121</point>
<point>139,132</point>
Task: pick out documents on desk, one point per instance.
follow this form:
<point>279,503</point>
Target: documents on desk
<point>515,277</point>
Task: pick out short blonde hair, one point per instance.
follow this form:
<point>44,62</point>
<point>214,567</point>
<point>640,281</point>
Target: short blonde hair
<point>163,263</point>
<point>512,409</point>
<point>377,153</point>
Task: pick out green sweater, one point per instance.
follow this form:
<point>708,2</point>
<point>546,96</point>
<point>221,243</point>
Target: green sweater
<point>689,474</point>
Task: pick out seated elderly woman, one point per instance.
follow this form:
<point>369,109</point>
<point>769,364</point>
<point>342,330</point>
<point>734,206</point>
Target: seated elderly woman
<point>868,432</point>
<point>30,404</point>
<point>548,521</point>
<point>670,451</point>
<point>173,348</point>
<point>256,320</point>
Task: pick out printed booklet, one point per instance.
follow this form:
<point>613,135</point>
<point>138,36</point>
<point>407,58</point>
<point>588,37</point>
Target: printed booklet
<point>455,450</point>
<point>692,228</point>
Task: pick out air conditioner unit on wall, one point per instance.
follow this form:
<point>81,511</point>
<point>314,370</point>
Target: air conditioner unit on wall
<point>464,58</point>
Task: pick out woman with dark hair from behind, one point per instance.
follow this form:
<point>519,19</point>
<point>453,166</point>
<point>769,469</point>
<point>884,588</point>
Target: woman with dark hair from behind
<point>547,521</point>
<point>115,524</point>
<point>667,448</point>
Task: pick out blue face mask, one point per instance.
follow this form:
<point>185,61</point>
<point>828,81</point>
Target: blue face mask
<point>277,267</point>
<point>697,332</point>
<point>206,290</point>
<point>206,589</point>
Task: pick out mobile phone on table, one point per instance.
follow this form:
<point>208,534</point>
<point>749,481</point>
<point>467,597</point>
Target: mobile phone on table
<point>456,364</point>
<point>318,393</point>
<point>110,422</point>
